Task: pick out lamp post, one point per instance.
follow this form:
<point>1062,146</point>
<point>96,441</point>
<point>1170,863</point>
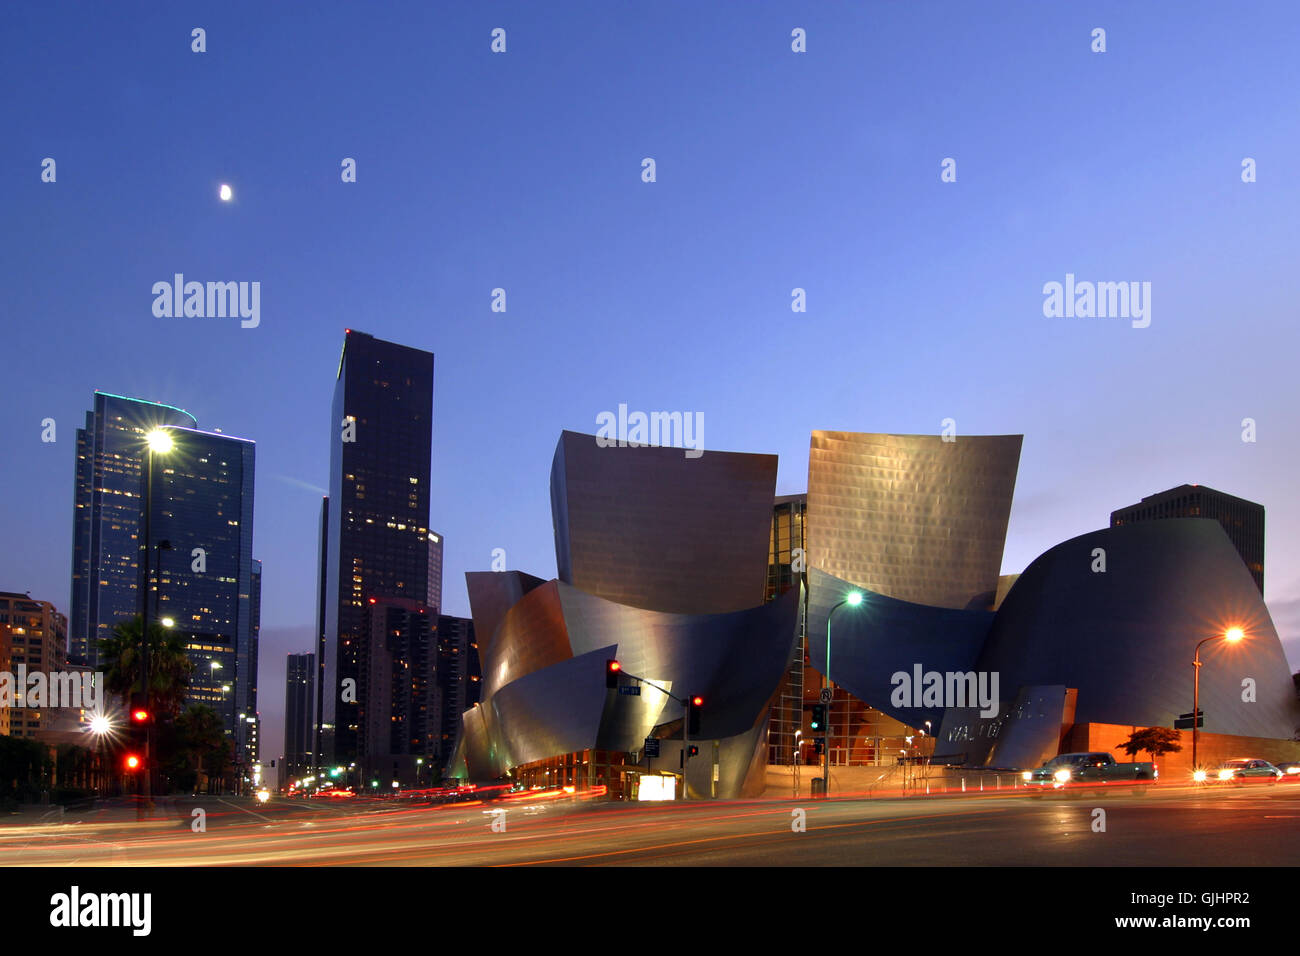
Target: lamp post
<point>853,600</point>
<point>1232,635</point>
<point>157,441</point>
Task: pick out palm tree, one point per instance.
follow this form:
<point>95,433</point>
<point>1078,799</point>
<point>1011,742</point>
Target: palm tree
<point>202,732</point>
<point>169,666</point>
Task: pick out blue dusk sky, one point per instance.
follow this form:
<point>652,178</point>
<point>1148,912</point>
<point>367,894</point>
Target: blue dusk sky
<point>775,170</point>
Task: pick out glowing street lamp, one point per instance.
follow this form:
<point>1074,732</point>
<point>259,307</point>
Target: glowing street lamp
<point>853,600</point>
<point>158,441</point>
<point>1232,635</point>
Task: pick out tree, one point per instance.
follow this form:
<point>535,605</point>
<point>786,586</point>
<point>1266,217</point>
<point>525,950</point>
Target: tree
<point>169,666</point>
<point>1157,741</point>
<point>201,733</point>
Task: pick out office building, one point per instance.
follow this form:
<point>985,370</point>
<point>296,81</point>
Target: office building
<point>399,702</point>
<point>33,637</point>
<point>1242,520</point>
<point>377,518</point>
<point>202,578</point>
<point>299,711</point>
<point>108,508</point>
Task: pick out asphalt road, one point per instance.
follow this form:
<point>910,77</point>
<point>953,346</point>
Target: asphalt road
<point>1251,826</point>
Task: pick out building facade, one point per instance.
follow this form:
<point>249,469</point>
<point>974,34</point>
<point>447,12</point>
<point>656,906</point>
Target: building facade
<point>299,713</point>
<point>1242,520</point>
<point>460,679</point>
<point>377,519</point>
<point>202,575</point>
<point>33,637</point>
<point>107,510</point>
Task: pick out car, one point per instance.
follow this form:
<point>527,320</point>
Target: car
<point>1245,770</point>
<point>1290,768</point>
<point>1095,770</point>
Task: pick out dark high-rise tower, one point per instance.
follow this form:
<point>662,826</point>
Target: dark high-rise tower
<point>299,685</point>
<point>1243,520</point>
<point>378,515</point>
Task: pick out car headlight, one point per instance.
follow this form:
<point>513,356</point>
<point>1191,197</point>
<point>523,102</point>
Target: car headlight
<point>1027,775</point>
<point>1062,775</point>
<point>1225,774</point>
<point>1199,776</point>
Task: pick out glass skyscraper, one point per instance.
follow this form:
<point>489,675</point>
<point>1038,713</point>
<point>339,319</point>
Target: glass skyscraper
<point>377,517</point>
<point>203,575</point>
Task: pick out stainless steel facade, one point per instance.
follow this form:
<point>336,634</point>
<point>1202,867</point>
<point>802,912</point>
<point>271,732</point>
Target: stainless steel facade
<point>651,528</point>
<point>1125,637</point>
<point>914,517</point>
<point>545,693</point>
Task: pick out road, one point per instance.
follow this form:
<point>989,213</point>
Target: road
<point>1173,826</point>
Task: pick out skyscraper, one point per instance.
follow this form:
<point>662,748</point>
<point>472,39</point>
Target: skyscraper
<point>201,527</point>
<point>299,690</point>
<point>459,679</point>
<point>1242,519</point>
<point>108,507</point>
<point>377,518</point>
<point>203,568</point>
<point>435,572</point>
<point>400,716</point>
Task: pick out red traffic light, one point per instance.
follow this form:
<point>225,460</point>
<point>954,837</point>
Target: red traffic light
<point>612,667</point>
<point>140,716</point>
<point>132,762</point>
<point>697,701</point>
<point>615,666</point>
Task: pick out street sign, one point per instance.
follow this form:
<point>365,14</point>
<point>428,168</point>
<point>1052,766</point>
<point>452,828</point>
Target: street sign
<point>630,690</point>
<point>826,695</point>
<point>652,746</point>
<point>1184,721</point>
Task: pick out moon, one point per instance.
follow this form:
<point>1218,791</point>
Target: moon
<point>226,193</point>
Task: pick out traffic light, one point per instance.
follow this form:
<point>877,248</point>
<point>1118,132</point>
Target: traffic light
<point>694,704</point>
<point>139,710</point>
<point>612,668</point>
<point>820,745</point>
<point>132,761</point>
<point>692,750</point>
<point>818,717</point>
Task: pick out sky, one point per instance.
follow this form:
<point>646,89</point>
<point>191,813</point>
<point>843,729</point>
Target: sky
<point>775,170</point>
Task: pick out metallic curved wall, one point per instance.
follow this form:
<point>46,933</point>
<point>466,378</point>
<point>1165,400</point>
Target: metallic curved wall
<point>1125,638</point>
<point>883,635</point>
<point>491,595</point>
<point>545,694</point>
<point>912,516</point>
<point>651,528</point>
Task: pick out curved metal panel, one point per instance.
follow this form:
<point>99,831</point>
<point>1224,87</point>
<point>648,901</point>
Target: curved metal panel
<point>883,636</point>
<point>734,661</point>
<point>913,517</point>
<point>530,637</point>
<point>1126,637</point>
<point>651,528</point>
<point>491,595</point>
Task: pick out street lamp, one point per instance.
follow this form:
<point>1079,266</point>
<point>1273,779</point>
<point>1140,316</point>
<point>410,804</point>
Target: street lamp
<point>157,441</point>
<point>853,600</point>
<point>101,727</point>
<point>1232,635</point>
